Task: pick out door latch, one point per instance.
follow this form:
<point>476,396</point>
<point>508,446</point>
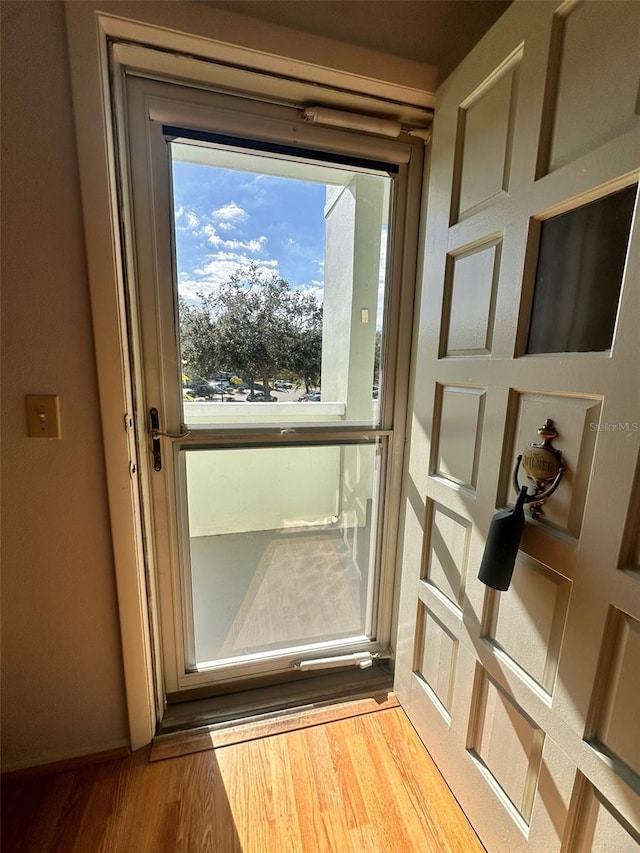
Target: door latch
<point>156,434</point>
<point>156,452</point>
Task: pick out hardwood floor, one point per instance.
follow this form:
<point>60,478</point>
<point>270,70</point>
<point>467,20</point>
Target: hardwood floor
<point>363,784</point>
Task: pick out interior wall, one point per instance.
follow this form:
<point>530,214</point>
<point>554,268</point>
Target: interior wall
<point>420,30</point>
<point>62,683</point>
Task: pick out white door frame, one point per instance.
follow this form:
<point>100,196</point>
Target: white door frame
<point>91,26</point>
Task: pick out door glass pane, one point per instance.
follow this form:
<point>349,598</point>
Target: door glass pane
<point>282,545</point>
<point>281,287</point>
<point>579,276</point>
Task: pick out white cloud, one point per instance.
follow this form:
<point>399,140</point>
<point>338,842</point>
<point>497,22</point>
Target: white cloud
<point>229,214</point>
<point>186,220</point>
<point>212,236</point>
<point>235,258</point>
<point>256,245</point>
<point>189,288</point>
<point>217,270</point>
<point>315,288</point>
<point>260,192</point>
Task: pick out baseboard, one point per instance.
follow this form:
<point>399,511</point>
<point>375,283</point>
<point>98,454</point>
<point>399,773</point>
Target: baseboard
<point>66,765</point>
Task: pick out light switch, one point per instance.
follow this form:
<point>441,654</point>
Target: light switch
<point>43,415</point>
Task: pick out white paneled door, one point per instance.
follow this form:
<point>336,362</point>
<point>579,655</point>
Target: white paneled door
<point>529,699</point>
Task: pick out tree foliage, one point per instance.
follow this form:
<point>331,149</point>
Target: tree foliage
<point>256,325</point>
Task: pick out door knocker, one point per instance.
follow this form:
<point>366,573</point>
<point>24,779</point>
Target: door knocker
<point>544,465</point>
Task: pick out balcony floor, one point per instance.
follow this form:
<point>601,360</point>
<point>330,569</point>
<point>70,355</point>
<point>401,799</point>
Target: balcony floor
<point>264,590</point>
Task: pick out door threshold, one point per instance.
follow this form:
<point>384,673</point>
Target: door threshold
<point>239,731</point>
<point>258,703</point>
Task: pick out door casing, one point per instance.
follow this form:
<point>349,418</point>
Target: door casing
<point>94,31</point>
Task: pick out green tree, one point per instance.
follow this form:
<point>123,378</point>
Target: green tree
<point>197,336</point>
<point>305,359</point>
<point>376,357</point>
<point>255,325</point>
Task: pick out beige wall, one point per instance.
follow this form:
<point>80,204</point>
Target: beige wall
<point>62,683</point>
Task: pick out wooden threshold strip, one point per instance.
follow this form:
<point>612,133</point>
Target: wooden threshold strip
<point>239,731</point>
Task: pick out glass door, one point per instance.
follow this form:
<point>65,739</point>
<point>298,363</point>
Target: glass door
<point>267,363</point>
<point>280,278</point>
<point>281,551</point>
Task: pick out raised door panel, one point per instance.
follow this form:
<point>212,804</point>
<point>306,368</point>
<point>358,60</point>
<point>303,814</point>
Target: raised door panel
<point>608,34</point>
<point>527,623</point>
<point>470,297</point>
<point>459,429</point>
<point>485,135</point>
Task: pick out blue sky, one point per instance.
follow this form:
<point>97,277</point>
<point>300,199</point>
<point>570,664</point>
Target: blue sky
<point>226,218</point>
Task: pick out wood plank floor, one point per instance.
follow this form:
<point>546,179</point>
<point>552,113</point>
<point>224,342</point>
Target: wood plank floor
<point>363,784</point>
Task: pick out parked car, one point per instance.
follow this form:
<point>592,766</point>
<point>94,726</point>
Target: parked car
<point>205,391</point>
<point>312,397</point>
<point>258,397</point>
<point>281,385</point>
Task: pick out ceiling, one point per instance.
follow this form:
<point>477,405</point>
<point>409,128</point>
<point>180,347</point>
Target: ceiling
<point>437,32</point>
